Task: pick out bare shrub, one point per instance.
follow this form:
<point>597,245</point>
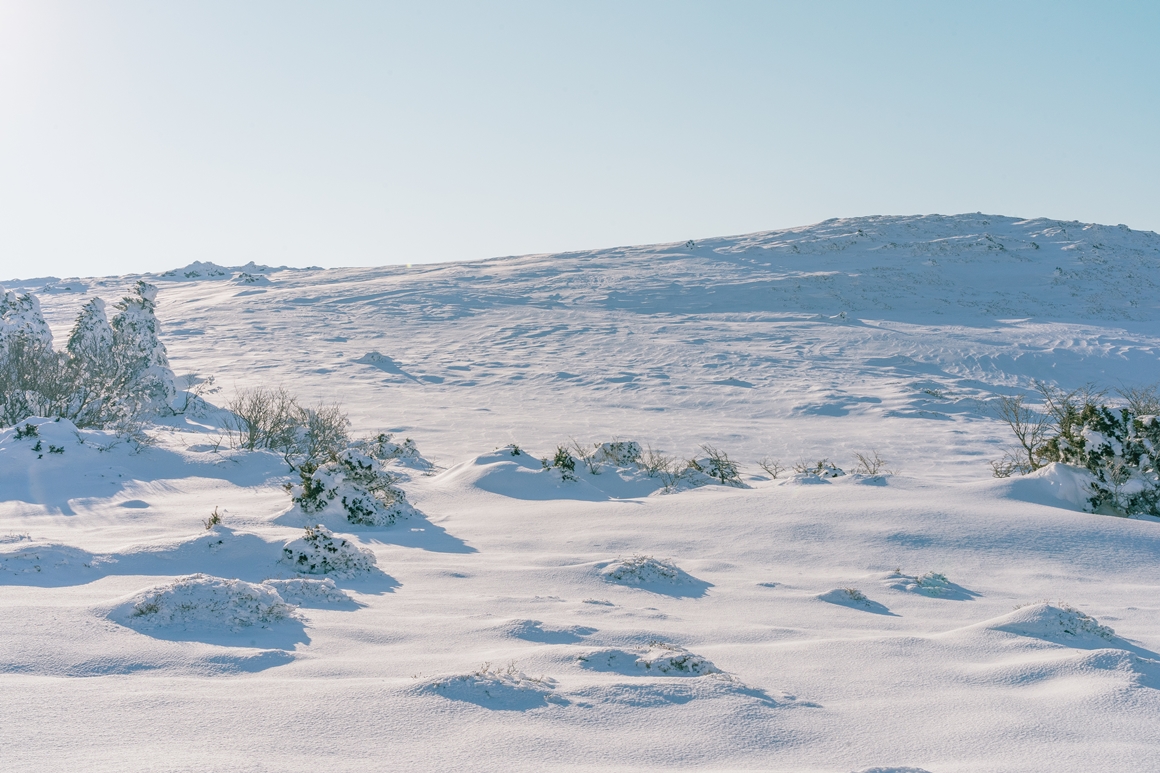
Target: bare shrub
<point>1142,401</point>
<point>718,465</point>
<point>585,455</point>
<point>262,418</point>
<point>661,466</point>
<point>871,465</point>
<point>274,420</point>
<point>772,466</point>
<point>322,433</point>
<point>1031,429</point>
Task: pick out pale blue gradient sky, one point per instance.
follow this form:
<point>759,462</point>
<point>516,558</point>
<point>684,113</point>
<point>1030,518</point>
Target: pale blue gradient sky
<point>139,136</point>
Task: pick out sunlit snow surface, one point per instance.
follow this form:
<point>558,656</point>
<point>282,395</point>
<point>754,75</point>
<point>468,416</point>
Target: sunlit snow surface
<point>858,623</point>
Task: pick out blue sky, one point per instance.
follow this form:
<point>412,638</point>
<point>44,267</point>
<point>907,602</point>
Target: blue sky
<point>139,136</point>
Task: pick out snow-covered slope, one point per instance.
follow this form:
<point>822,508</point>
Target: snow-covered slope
<point>519,620</point>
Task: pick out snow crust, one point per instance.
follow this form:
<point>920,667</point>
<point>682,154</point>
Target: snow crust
<point>800,621</point>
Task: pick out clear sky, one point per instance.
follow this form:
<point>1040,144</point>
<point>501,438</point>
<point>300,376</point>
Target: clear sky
<point>140,136</point>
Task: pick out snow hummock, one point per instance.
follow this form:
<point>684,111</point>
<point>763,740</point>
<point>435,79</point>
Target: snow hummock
<point>495,688</point>
<point>1054,622</point>
<point>319,551</point>
<point>201,600</point>
<point>658,658</point>
<point>643,570</point>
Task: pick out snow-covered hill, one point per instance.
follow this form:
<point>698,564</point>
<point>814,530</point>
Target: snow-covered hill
<point>802,623</point>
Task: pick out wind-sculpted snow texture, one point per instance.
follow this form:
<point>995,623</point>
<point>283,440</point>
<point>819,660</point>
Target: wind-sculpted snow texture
<point>162,606</point>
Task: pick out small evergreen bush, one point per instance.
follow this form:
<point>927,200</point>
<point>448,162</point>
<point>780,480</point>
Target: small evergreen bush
<point>356,482</point>
<point>562,461</point>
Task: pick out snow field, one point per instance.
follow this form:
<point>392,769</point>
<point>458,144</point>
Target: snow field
<point>516,620</point>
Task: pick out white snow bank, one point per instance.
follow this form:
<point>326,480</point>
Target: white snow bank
<point>1055,484</point>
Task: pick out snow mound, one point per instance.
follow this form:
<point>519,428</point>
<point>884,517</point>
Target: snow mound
<point>1054,484</point>
<point>618,453</point>
<point>643,570</point>
<point>820,472</point>
<point>504,689</point>
<point>534,630</point>
<point>853,598</point>
<point>385,449</point>
<point>21,555</point>
<point>307,592</point>
<point>200,600</point>
<point>319,551</point>
<point>1062,623</point>
<point>247,279</point>
<point>657,658</point>
<point>198,270</point>
<point>892,769</point>
<point>929,584</point>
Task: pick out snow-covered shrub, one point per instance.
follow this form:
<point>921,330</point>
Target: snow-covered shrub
<point>138,347</point>
<point>717,465</point>
<point>1052,621</point>
<point>384,448</point>
<point>618,453</point>
<point>306,592</point>
<point>562,461</point>
<point>357,483</point>
<point>319,551</point>
<point>502,687</point>
<point>200,599</point>
<point>823,468</point>
<point>1119,450</point>
<point>929,584</point>
<point>658,658</point>
<point>642,570</point>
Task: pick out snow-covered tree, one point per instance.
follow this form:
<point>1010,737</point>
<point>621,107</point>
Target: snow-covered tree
<point>100,381</point>
<point>33,379</point>
<point>139,348</point>
<point>21,318</point>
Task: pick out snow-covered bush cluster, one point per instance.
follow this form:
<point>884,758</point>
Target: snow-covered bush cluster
<point>503,687</point>
<point>823,468</point>
<point>659,658</point>
<point>642,570</point>
<point>1053,621</point>
<point>714,466</point>
<point>319,551</point>
<point>929,584</point>
<point>356,482</point>
<point>200,599</point>
<point>334,471</point>
<point>304,591</point>
<point>1119,450</point>
<point>1116,447</point>
<point>111,372</point>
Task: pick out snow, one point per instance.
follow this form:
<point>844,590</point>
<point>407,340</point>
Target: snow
<point>931,618</point>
